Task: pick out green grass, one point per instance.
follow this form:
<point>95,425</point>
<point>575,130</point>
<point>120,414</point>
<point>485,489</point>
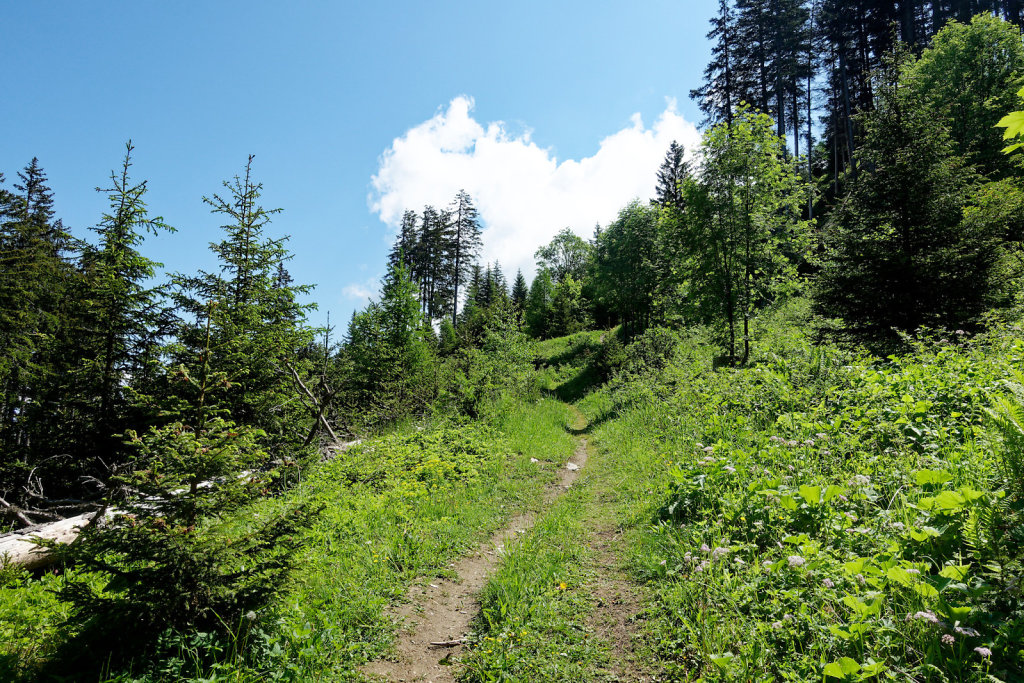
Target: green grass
<point>567,365</point>
<point>373,543</point>
<point>819,515</point>
<point>760,571</point>
<point>533,623</point>
<point>396,510</point>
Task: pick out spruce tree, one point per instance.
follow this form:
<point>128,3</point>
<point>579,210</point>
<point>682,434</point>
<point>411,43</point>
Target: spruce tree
<point>35,277</point>
<point>719,95</point>
<point>519,292</point>
<point>899,254</point>
<point>122,316</point>
<point>256,324</point>
<point>464,243</point>
<point>671,173</point>
<point>390,350</point>
<point>404,249</point>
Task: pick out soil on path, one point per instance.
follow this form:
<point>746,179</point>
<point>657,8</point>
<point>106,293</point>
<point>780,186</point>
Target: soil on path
<point>618,606</point>
<point>441,611</point>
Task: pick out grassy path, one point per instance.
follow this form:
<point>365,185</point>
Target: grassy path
<point>561,606</point>
<point>436,619</point>
<point>550,596</point>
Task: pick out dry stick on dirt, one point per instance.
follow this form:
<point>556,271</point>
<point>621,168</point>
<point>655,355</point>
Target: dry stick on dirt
<point>441,612</point>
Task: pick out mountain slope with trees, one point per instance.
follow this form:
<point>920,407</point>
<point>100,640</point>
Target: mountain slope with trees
<point>800,365</point>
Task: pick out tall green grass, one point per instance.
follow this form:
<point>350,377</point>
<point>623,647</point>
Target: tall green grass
<point>395,510</point>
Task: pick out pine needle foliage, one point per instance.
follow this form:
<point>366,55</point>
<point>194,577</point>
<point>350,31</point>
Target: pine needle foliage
<point>174,547</point>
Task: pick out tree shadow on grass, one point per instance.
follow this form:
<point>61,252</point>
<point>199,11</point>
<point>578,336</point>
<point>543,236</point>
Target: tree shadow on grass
<point>582,383</point>
<point>593,424</point>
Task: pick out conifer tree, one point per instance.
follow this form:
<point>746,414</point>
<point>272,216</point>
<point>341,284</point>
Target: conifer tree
<point>34,277</point>
<point>670,177</point>
<point>257,325</point>
<point>122,316</point>
<point>389,348</point>
<point>719,95</point>
<point>431,261</point>
<point>899,254</point>
<point>499,285</point>
<point>404,249</point>
<point>519,292</point>
<point>465,243</point>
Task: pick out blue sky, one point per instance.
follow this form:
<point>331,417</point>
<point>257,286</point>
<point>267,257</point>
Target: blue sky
<point>551,112</point>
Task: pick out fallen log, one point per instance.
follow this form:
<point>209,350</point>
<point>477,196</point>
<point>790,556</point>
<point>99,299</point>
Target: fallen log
<point>17,548</point>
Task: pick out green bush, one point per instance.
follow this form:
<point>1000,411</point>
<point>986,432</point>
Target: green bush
<point>179,553</point>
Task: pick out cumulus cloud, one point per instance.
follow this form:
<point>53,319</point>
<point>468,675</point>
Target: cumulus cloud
<point>523,192</point>
<point>361,292</point>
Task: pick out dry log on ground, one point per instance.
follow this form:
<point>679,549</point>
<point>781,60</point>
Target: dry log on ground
<point>18,549</point>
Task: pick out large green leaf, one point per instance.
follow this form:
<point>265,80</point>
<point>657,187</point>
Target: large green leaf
<point>842,669</point>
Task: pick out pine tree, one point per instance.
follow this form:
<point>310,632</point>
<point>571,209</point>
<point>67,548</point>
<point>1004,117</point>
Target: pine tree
<point>519,292</point>
<point>499,285</point>
<point>404,249</point>
<point>670,177</point>
<point>465,243</point>
<point>123,313</point>
<point>256,324</point>
<point>719,95</point>
<point>389,350</point>
<point>432,263</point>
<point>35,275</point>
<point>899,253</point>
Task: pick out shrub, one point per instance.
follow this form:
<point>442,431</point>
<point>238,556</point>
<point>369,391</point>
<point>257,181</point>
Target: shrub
<point>177,554</point>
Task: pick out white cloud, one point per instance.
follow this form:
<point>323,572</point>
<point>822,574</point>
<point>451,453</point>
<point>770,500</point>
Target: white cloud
<point>523,193</point>
<point>361,292</point>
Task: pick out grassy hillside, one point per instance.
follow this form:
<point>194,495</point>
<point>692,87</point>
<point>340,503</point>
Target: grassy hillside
<point>817,515</point>
<point>393,511</point>
<point>821,514</point>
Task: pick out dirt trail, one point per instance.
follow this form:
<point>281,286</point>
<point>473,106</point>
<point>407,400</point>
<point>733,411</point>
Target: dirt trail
<point>441,611</point>
<point>618,606</point>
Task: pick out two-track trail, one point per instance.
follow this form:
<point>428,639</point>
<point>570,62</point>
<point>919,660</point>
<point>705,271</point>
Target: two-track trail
<point>441,611</point>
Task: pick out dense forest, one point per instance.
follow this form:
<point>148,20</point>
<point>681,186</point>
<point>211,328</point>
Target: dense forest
<point>798,371</point>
